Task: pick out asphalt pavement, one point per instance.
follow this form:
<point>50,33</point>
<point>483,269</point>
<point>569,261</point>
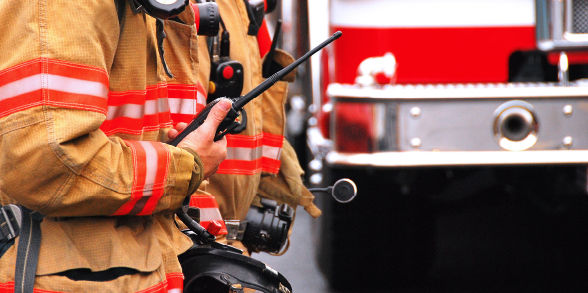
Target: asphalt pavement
<point>299,264</point>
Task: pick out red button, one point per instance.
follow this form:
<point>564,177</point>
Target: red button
<point>228,72</point>
<point>214,227</point>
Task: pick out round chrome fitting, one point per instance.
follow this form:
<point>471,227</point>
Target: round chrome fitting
<point>515,125</point>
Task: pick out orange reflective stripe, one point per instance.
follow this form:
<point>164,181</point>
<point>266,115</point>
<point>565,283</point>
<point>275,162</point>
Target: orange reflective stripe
<point>136,125</point>
<point>173,283</point>
<point>185,101</point>
<point>9,288</point>
<point>136,111</point>
<point>152,92</point>
<point>150,163</point>
<point>240,167</point>
<point>158,106</point>
<point>44,81</point>
<point>273,140</point>
<point>270,165</point>
<point>248,155</point>
<point>209,213</point>
<point>77,71</point>
<point>53,66</point>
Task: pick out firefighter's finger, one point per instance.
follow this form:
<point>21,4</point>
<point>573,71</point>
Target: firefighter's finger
<point>215,117</point>
<point>173,133</point>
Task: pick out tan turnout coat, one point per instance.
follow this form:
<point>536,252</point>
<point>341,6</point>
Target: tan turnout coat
<point>83,104</point>
<point>259,160</point>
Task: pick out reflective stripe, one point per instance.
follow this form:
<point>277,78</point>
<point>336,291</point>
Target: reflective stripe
<point>75,86</point>
<point>193,95</point>
<point>135,111</point>
<point>57,83</point>
<point>52,82</point>
<point>8,287</point>
<point>20,87</point>
<point>182,106</point>
<point>53,66</point>
<point>173,283</point>
<point>186,101</point>
<point>150,162</point>
<point>239,167</point>
<point>271,152</point>
<point>209,212</point>
<point>248,155</point>
<point>158,106</point>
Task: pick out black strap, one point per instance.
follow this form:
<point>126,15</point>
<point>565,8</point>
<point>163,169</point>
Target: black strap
<point>160,36</point>
<point>120,11</point>
<point>255,18</point>
<point>4,245</point>
<point>27,254</point>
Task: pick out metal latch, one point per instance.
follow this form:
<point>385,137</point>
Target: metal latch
<point>10,221</point>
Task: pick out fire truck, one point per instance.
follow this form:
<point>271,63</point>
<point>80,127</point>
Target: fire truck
<point>465,126</point>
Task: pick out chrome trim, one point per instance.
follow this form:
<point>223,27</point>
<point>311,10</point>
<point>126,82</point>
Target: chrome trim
<point>446,125</point>
<point>473,158</point>
<point>577,89</point>
<point>563,69</point>
<point>554,26</point>
<point>515,125</point>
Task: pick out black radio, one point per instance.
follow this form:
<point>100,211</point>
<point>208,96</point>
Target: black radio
<point>226,75</point>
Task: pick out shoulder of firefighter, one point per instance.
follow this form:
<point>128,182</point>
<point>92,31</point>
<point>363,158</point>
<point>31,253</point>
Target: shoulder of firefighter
<point>84,103</point>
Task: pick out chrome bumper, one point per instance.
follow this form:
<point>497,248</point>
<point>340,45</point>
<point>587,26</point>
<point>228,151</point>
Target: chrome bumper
<point>454,159</point>
<point>459,125</point>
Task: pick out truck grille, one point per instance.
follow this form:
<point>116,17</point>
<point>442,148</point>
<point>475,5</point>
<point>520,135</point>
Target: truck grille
<point>580,16</point>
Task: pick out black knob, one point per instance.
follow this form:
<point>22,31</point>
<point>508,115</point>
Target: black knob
<point>207,18</point>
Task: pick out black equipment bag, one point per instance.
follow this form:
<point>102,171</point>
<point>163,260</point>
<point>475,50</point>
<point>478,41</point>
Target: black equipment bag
<point>219,268</point>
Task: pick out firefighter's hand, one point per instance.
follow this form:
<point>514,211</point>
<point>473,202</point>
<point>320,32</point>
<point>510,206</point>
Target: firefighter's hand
<point>201,140</point>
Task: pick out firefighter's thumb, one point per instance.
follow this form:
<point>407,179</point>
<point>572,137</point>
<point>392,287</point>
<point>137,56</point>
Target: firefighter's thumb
<point>216,116</point>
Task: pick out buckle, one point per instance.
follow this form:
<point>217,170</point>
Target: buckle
<point>235,229</point>
<point>10,222</point>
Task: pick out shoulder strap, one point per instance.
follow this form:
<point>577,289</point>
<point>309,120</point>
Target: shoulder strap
<point>27,253</point>
<point>120,11</point>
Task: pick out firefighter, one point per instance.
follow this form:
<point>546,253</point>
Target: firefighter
<point>260,162</point>
<point>85,98</point>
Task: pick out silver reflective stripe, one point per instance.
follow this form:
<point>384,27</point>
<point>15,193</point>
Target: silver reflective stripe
<point>53,82</point>
<point>251,154</point>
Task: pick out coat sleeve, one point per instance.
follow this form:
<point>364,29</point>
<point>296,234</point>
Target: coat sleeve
<point>287,186</point>
<point>54,86</point>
